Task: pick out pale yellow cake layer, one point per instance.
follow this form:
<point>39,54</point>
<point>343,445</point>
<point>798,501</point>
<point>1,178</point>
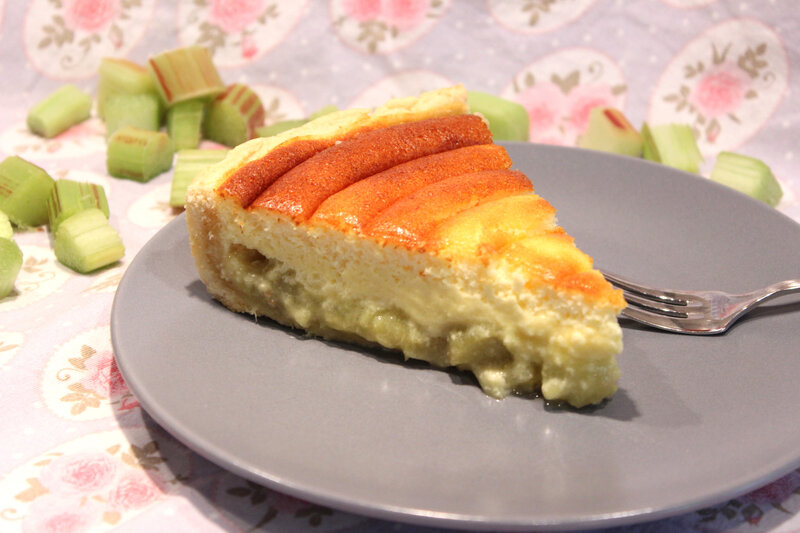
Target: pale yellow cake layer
<point>485,319</point>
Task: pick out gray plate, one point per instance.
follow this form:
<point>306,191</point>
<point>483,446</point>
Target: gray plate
<point>696,420</point>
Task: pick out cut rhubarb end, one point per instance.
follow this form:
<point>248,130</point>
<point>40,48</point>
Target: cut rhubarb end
<point>86,242</point>
<point>24,189</point>
<point>508,120</point>
<point>674,145</point>
<point>188,164</point>
<point>6,229</point>
<point>118,75</point>
<point>59,111</point>
<point>747,175</point>
<point>185,73</point>
<point>234,116</point>
<point>139,155</point>
<point>140,110</point>
<point>185,124</point>
<point>69,197</point>
<point>10,265</point>
<point>609,130</point>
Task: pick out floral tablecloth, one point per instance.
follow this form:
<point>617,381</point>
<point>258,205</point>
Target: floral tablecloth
<point>78,453</point>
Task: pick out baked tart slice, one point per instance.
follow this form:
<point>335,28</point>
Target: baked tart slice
<point>406,227</point>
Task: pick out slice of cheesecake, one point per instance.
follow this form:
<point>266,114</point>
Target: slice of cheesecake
<point>406,227</point>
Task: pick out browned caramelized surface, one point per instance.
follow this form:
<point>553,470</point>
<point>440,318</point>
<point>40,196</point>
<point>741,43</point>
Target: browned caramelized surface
<point>437,185</point>
<point>408,221</point>
<point>553,258</point>
<point>253,178</point>
<point>484,230</point>
<point>354,206</point>
<point>301,190</point>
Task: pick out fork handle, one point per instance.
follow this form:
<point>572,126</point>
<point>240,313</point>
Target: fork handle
<point>782,288</point>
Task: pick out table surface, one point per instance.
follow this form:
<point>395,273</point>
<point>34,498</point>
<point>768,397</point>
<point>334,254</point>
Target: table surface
<point>79,453</point>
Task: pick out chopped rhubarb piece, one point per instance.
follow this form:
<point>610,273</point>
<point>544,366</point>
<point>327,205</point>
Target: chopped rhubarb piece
<point>508,120</point>
<point>673,145</point>
<point>185,73</point>
<point>234,116</point>
<point>747,175</point>
<point>610,131</point>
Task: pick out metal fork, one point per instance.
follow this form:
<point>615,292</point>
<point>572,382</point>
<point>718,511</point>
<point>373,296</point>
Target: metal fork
<point>693,312</point>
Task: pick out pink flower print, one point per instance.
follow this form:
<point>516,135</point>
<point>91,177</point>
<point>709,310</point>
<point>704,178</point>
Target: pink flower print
<point>362,10</point>
<point>134,490</point>
<point>545,104</point>
<point>249,47</point>
<point>775,492</point>
<point>581,101</point>
<point>400,14</point>
<point>235,15</point>
<point>404,14</point>
<point>720,91</point>
<point>128,403</point>
<point>79,473</point>
<point>551,139</point>
<point>56,514</point>
<point>104,377</point>
<point>78,132</point>
<point>90,15</point>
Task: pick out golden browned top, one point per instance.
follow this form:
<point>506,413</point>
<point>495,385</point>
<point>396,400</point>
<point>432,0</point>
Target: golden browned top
<point>254,177</point>
<point>408,221</point>
<point>352,207</point>
<point>484,230</point>
<point>302,189</point>
<point>436,185</point>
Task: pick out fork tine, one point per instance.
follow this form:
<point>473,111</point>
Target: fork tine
<point>655,306</point>
<point>669,323</point>
<point>692,312</point>
<point>649,293</point>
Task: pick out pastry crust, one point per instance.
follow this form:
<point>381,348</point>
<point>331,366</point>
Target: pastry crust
<point>428,244</point>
